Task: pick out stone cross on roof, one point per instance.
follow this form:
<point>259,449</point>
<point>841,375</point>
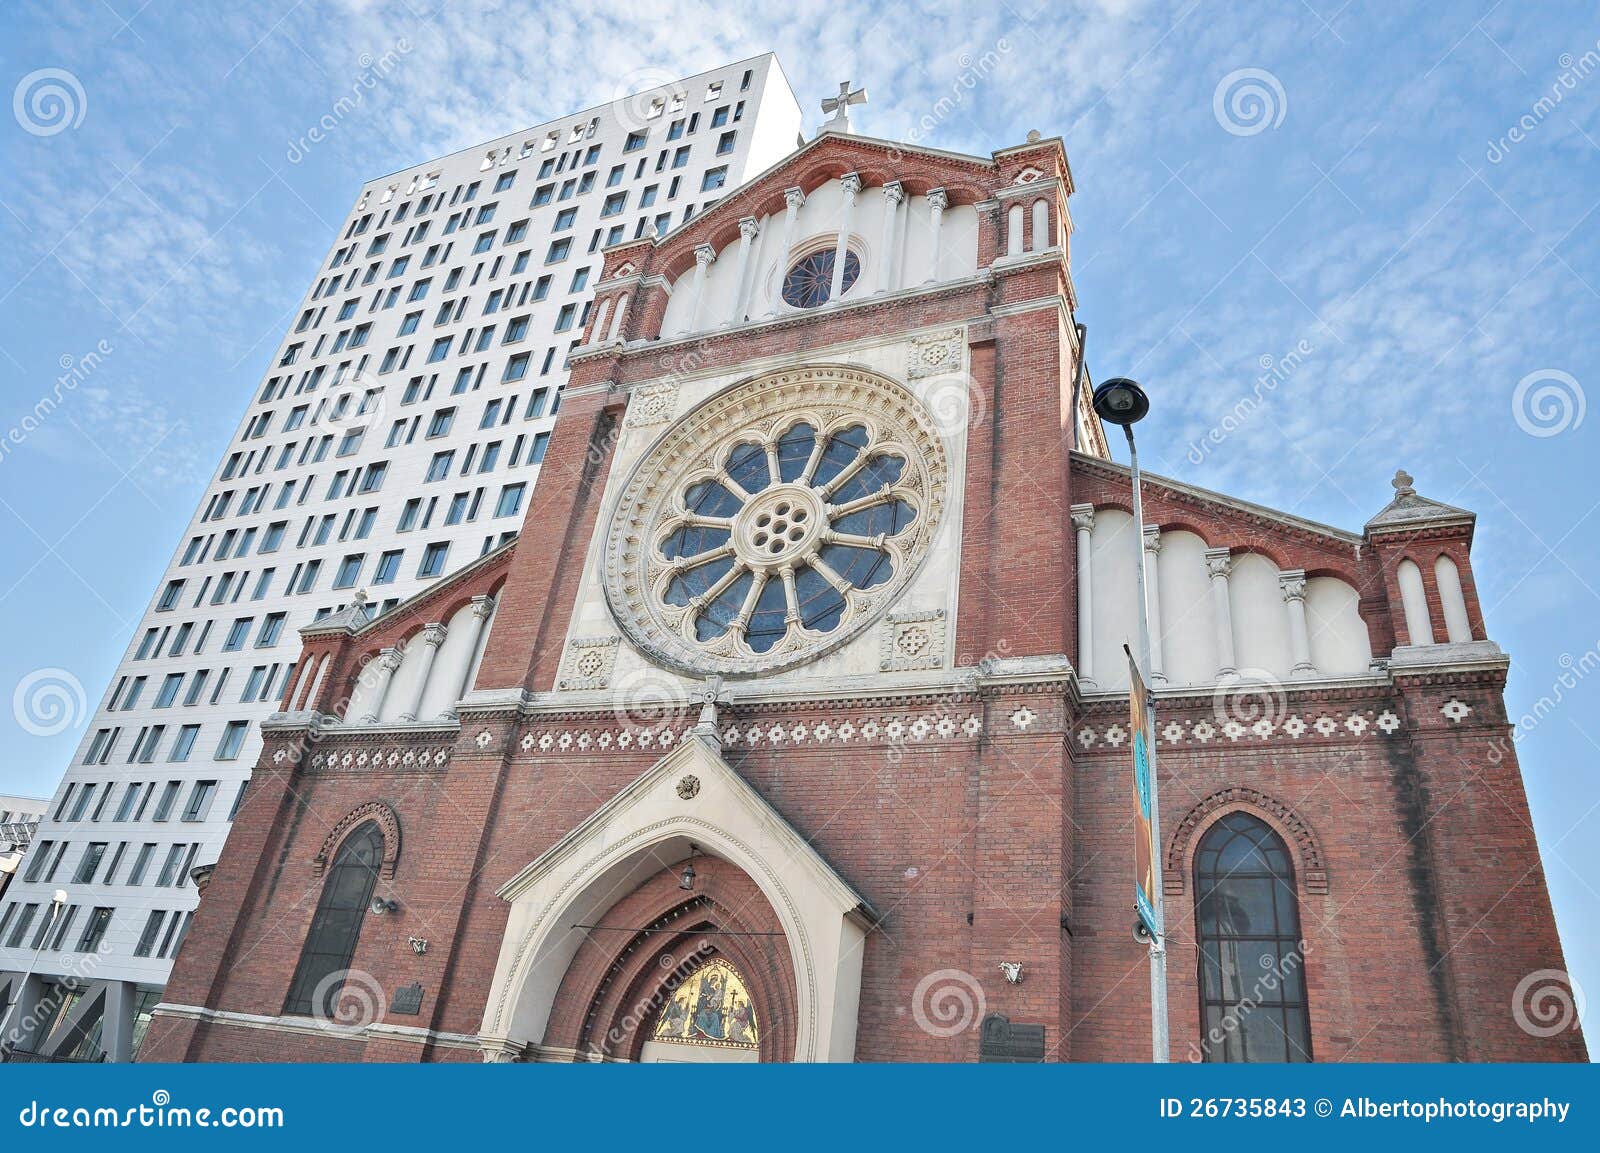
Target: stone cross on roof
<point>840,107</point>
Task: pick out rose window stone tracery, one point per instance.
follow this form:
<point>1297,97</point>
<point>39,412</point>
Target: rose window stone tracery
<point>775,521</point>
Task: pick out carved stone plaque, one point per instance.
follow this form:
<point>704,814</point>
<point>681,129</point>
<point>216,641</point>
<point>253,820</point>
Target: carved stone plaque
<point>1001,1040</point>
<point>407,1000</point>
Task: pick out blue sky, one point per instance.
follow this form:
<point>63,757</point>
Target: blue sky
<point>1391,196</point>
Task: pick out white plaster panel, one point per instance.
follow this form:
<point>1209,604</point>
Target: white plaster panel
<point>403,687</point>
<point>1457,625</point>
<point>1112,554</point>
<point>1260,621</point>
<point>1339,643</point>
<point>450,665</point>
<point>1189,631</point>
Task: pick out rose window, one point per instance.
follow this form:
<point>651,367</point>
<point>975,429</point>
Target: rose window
<point>809,281</point>
<point>763,532</point>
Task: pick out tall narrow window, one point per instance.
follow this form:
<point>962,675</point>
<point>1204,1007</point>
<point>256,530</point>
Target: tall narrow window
<point>336,925</point>
<point>1252,962</point>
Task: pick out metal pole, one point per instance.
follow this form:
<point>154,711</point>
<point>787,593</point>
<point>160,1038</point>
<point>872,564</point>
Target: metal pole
<point>55,910</point>
<point>1159,1044</point>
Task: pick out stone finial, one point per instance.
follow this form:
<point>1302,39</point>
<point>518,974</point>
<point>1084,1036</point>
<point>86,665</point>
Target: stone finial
<point>1402,483</point>
<point>1033,136</point>
<point>360,598</point>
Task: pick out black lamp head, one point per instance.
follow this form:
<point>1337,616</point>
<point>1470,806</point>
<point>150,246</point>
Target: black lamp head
<point>1121,401</point>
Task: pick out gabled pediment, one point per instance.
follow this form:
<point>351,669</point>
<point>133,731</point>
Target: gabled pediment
<point>693,779</point>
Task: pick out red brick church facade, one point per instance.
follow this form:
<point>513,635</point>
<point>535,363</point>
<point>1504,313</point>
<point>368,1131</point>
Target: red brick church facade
<point>876,771</point>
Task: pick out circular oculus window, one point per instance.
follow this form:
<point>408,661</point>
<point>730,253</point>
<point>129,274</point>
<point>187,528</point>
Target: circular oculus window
<point>809,281</point>
<point>775,521</point>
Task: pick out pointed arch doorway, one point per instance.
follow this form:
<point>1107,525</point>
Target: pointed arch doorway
<point>602,934</point>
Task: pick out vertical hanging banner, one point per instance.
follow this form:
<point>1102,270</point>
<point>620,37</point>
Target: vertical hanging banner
<point>1145,849</point>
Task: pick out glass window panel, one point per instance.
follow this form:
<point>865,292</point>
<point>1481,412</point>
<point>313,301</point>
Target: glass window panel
<point>768,623</point>
<point>794,450</point>
<point>842,448</point>
<point>747,465</point>
<point>862,567</point>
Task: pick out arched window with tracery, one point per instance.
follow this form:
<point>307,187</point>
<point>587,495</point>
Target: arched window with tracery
<point>325,959</point>
<point>1252,960</point>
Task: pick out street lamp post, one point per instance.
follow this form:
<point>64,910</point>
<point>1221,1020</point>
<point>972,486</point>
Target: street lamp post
<point>1121,401</point>
<point>58,902</point>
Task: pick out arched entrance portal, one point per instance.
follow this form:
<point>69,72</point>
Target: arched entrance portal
<point>712,959</point>
<point>602,931</point>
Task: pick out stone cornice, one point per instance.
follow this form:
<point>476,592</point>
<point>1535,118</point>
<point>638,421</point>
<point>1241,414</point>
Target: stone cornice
<point>979,279</point>
<point>408,606</point>
<point>1215,502</point>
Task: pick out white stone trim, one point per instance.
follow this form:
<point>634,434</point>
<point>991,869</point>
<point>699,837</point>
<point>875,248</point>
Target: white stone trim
<point>314,1027</point>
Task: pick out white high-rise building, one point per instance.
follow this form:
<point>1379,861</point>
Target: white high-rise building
<point>396,436</point>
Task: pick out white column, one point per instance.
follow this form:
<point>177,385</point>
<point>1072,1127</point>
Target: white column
<point>429,640</point>
<point>704,254</point>
<point>1293,584</point>
<point>938,201</point>
<point>1083,522</point>
<point>1219,563</point>
<point>793,198</point>
<point>850,183</point>
<point>893,194</point>
<point>1152,597</point>
<point>383,669</point>
<point>749,229</point>
<point>482,610</point>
